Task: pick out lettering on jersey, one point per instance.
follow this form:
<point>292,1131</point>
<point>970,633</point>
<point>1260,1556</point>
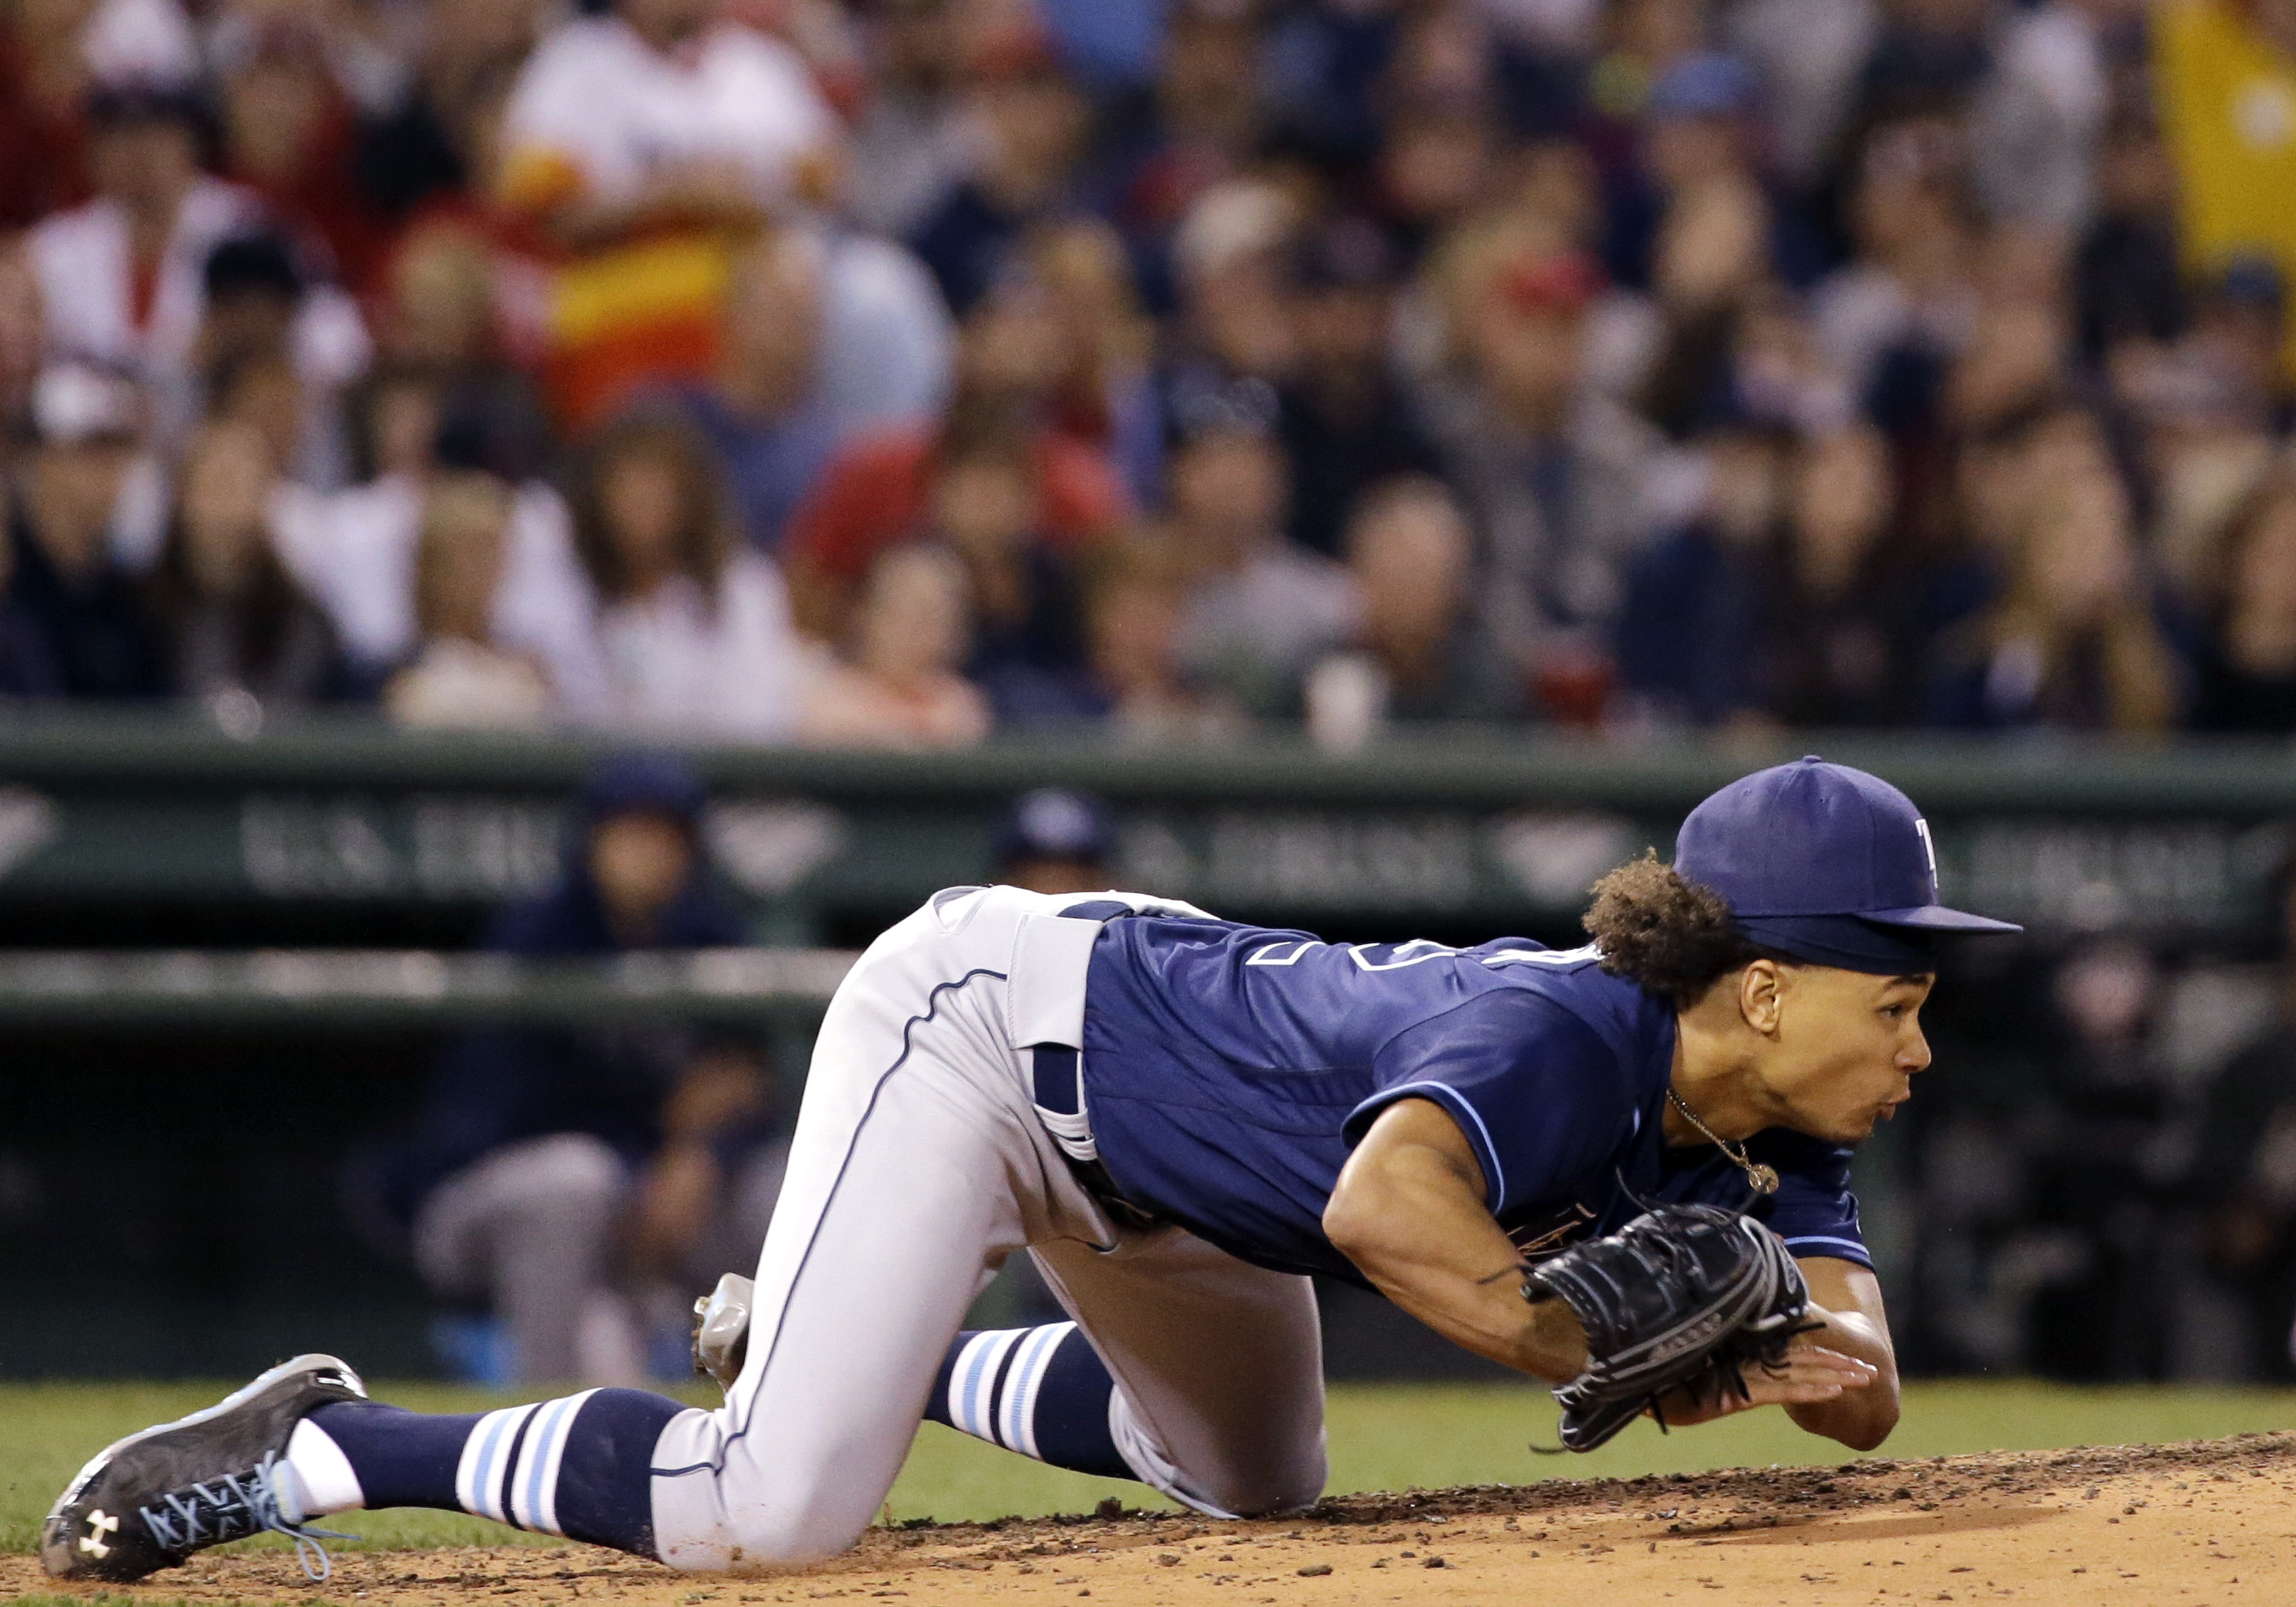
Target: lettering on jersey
<point>1417,951</point>
<point>1282,953</point>
<point>1555,957</point>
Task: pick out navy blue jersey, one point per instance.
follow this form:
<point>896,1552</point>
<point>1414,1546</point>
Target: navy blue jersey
<point>1228,1070</point>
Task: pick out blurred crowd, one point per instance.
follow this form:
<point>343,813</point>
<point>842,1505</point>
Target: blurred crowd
<point>896,371</point>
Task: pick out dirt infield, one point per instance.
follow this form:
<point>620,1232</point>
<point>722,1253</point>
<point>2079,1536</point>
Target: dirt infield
<point>2211,1521</point>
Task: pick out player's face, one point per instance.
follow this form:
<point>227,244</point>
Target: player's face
<point>1846,1049</point>
<point>640,860</point>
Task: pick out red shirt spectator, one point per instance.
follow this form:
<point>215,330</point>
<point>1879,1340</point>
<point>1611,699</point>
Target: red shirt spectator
<point>43,133</point>
<point>287,137</point>
<point>872,495</point>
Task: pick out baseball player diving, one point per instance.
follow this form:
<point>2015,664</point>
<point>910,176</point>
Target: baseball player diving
<point>1622,1169</point>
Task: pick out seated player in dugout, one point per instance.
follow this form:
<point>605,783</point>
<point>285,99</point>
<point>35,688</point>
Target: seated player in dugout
<point>564,1181</point>
<point>1181,1119</point>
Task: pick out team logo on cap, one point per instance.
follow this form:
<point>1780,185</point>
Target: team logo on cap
<point>1929,851</point>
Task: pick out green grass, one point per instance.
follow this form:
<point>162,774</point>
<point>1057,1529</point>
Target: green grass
<point>1384,1437</point>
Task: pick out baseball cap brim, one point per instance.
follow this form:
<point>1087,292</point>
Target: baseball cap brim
<point>1937,918</point>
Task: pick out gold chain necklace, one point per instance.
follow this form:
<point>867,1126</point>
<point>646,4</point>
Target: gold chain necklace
<point>1763,1178</point>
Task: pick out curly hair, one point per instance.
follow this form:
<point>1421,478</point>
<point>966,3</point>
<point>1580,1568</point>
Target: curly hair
<point>1666,933</point>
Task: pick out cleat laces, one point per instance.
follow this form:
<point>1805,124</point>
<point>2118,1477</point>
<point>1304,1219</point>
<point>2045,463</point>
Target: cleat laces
<point>231,1508</point>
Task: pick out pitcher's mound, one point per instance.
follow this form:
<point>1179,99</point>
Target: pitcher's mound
<point>2213,1522</point>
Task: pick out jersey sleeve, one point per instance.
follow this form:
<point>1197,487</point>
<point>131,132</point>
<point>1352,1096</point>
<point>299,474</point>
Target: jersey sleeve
<point>1813,1210</point>
<point>1542,1098</point>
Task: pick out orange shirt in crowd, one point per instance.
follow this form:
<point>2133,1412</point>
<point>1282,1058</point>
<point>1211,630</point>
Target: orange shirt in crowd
<point>601,116</point>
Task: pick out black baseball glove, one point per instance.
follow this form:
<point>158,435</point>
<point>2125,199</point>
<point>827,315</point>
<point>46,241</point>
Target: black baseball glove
<point>1681,1297</point>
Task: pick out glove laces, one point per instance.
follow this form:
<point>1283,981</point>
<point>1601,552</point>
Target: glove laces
<point>231,1508</point>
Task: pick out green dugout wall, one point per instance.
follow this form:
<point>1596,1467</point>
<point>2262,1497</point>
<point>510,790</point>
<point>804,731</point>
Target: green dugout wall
<point>102,815</point>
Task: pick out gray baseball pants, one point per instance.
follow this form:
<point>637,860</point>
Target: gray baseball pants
<point>919,1164</point>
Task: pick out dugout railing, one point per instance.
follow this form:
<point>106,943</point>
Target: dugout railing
<point>123,829</point>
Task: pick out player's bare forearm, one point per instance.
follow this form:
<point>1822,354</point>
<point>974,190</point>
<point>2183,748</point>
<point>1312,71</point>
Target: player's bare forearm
<point>1409,1211</point>
<point>1848,1299</point>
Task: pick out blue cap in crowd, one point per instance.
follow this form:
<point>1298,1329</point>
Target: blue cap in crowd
<point>642,781</point>
<point>1200,406</point>
<point>1827,864</point>
<point>2251,279</point>
<point>259,263</point>
<point>1711,83</point>
<point>1052,823</point>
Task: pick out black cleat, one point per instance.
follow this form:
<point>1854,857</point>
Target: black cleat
<point>151,1499</point>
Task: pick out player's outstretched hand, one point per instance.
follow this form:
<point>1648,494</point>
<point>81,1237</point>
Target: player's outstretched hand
<point>1809,1373</point>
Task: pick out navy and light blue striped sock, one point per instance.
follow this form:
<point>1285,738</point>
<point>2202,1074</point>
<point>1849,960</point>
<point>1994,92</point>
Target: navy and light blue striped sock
<point>581,1466</point>
<point>1041,1391</point>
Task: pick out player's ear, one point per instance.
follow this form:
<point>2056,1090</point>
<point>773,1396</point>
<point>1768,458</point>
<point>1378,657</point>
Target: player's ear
<point>1757,996</point>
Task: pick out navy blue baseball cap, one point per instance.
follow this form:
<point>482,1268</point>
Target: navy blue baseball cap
<point>642,781</point>
<point>1711,83</point>
<point>1826,865</point>
<point>1052,823</point>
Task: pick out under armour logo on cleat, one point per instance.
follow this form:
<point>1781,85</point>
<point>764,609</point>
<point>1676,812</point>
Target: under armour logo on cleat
<point>100,1523</point>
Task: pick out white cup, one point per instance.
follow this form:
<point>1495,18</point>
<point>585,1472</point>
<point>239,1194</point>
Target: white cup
<point>1347,702</point>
